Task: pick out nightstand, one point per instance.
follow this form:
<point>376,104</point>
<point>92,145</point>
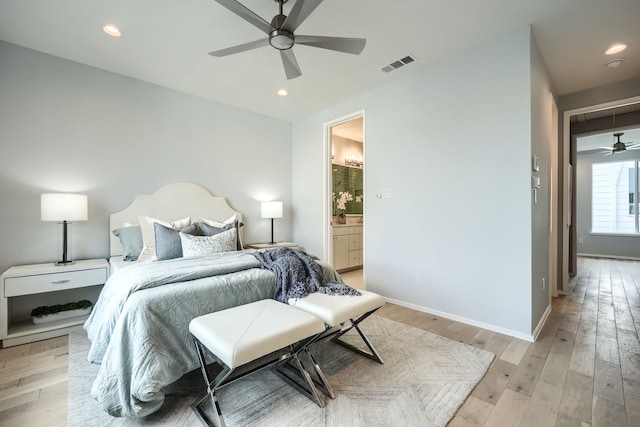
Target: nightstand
<point>24,287</point>
<point>273,245</point>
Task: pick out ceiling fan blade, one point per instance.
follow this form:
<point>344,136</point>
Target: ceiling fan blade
<point>247,15</point>
<point>299,12</point>
<point>291,67</point>
<point>340,44</point>
<point>240,48</point>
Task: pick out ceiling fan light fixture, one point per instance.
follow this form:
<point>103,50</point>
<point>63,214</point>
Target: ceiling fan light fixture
<point>618,146</point>
<point>616,48</point>
<point>281,36</point>
<point>281,39</point>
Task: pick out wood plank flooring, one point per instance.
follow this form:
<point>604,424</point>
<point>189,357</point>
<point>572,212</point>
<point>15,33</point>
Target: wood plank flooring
<point>584,370</point>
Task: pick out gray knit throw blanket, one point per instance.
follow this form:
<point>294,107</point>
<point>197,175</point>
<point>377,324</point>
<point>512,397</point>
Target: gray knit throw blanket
<point>298,275</point>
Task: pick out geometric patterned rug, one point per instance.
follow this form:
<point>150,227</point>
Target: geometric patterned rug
<point>425,378</point>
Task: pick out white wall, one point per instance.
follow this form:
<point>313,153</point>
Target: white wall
<point>453,143</point>
<point>345,148</point>
<point>69,127</point>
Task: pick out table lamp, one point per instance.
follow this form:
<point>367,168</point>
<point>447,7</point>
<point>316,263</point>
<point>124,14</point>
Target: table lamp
<point>64,208</point>
<point>272,210</point>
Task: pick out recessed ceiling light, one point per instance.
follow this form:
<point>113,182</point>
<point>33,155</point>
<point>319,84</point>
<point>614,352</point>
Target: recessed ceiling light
<point>283,92</point>
<point>112,30</point>
<point>616,48</point>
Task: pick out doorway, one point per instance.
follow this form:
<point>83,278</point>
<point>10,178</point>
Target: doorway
<point>600,112</point>
<point>345,211</point>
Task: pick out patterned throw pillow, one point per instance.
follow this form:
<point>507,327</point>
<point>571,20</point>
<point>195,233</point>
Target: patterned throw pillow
<point>210,227</point>
<point>203,245</point>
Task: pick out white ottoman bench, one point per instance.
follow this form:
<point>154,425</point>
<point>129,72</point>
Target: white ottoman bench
<point>340,313</point>
<point>243,334</point>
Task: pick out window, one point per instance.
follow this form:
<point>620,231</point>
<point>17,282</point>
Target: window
<point>615,197</point>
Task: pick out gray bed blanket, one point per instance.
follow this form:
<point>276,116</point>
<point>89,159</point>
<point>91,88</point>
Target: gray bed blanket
<point>298,275</point>
<point>139,327</point>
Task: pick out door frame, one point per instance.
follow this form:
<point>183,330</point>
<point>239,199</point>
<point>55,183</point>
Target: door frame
<point>553,198</point>
<point>327,234</point>
<point>566,212</point>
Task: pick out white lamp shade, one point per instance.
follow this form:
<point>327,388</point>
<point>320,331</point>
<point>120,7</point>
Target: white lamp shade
<point>271,209</point>
<point>63,207</point>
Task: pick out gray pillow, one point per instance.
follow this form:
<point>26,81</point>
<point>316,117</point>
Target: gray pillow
<point>168,244</point>
<point>131,241</point>
<point>210,230</point>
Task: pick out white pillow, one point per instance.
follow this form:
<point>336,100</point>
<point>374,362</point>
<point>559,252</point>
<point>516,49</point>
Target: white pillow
<point>149,235</point>
<point>233,219</point>
<point>203,245</point>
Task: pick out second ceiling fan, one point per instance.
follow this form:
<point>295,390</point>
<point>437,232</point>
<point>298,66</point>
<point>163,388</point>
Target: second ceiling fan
<point>619,146</point>
<point>281,36</point>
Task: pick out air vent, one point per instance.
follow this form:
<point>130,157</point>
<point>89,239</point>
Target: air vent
<point>398,63</point>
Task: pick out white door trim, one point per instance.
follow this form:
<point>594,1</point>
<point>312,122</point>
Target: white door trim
<point>328,203</point>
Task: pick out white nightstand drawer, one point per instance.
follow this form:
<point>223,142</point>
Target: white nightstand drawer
<point>26,285</point>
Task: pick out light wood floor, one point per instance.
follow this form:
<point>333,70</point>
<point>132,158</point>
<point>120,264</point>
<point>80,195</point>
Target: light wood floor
<point>584,370</point>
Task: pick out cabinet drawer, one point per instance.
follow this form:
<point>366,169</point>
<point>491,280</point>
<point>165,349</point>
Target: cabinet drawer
<point>355,258</point>
<point>340,231</point>
<point>355,242</point>
<point>26,285</point>
<point>356,229</point>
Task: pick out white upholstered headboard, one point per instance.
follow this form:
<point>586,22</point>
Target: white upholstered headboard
<point>171,202</point>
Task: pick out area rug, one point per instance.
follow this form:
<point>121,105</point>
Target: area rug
<point>423,382</point>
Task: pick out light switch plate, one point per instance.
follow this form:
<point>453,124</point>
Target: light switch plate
<point>535,181</point>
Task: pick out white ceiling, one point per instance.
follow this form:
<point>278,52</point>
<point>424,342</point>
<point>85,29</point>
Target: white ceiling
<point>166,42</point>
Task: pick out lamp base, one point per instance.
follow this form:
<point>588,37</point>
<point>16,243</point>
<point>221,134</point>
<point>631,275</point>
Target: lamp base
<point>65,246</point>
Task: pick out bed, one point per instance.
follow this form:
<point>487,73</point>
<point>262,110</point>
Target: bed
<point>139,326</point>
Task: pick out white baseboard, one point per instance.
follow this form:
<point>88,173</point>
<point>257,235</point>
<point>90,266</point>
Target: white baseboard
<point>626,258</point>
<point>543,320</point>
<point>494,328</point>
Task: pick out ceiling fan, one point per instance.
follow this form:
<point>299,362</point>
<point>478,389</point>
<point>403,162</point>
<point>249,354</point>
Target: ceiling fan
<point>281,36</point>
<point>619,146</point>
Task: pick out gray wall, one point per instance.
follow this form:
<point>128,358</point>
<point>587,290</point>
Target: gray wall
<point>598,244</point>
<point>599,95</point>
<point>541,93</point>
<point>66,127</point>
<point>453,143</point>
